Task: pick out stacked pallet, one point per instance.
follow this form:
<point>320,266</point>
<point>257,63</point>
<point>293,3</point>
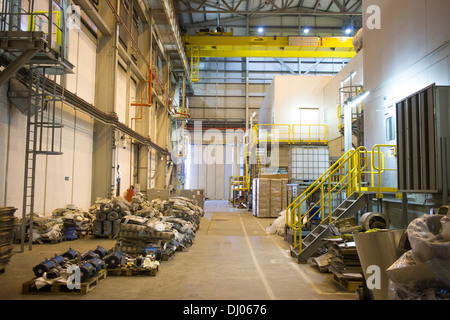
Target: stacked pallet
<point>6,235</point>
<point>340,257</point>
<point>269,196</point>
<point>345,259</point>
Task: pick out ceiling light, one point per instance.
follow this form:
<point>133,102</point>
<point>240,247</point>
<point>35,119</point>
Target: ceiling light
<point>306,30</point>
<point>348,30</point>
<point>260,29</point>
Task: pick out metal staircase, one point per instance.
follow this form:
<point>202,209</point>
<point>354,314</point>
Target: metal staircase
<point>313,240</point>
<point>339,193</point>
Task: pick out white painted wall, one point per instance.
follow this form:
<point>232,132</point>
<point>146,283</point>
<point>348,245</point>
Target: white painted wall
<point>408,53</point>
<point>415,38</point>
<point>331,97</point>
<point>82,54</point>
<point>121,95</point>
<point>288,94</point>
<point>210,165</point>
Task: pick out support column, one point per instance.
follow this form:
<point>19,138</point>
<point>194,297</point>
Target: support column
<point>103,166</point>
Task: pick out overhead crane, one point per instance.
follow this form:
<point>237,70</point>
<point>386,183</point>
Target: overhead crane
<point>224,45</point>
<point>269,47</point>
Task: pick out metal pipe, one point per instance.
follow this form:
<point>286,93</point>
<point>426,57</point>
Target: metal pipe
<point>444,171</point>
<point>50,24</point>
<point>164,91</point>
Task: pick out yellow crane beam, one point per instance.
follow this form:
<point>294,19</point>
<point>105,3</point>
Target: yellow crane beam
<point>275,47</point>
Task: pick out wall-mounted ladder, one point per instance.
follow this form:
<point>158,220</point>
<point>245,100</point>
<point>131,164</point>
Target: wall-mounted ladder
<point>43,134</point>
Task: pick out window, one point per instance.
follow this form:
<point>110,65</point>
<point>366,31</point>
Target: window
<point>390,128</point>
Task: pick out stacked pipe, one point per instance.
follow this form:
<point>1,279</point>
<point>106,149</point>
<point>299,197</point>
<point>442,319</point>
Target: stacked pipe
<point>6,235</point>
<point>108,214</point>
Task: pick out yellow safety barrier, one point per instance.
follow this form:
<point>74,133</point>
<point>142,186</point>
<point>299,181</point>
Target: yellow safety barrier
<point>272,133</point>
<point>309,133</point>
<point>291,134</point>
<point>379,168</point>
<point>43,18</point>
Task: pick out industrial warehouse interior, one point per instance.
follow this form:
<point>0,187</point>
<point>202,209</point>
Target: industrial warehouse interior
<point>224,150</point>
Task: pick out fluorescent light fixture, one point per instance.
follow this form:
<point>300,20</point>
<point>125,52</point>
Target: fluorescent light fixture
<point>253,114</point>
<point>306,30</point>
<point>260,29</point>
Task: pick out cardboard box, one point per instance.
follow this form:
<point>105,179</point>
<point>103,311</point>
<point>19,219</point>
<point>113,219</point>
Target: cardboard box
<point>263,198</point>
<point>275,197</point>
<point>163,194</point>
<point>284,197</point>
<point>254,196</point>
<point>194,194</point>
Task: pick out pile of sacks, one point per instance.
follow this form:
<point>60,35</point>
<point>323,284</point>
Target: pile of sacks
<point>69,222</point>
<point>423,273</point>
<point>140,206</point>
<point>182,208</point>
<point>44,228</point>
<point>74,221</point>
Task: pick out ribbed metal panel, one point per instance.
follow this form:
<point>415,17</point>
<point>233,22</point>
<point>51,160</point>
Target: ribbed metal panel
<point>422,127</point>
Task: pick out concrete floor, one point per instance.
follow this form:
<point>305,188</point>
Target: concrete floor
<point>232,258</point>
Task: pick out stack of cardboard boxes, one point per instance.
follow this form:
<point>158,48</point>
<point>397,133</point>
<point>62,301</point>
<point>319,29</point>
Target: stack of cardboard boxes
<point>269,195</point>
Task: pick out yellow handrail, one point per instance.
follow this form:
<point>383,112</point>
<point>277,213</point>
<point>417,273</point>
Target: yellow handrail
<point>270,133</point>
<point>267,133</point>
<point>381,169</point>
<point>57,23</point>
<point>313,137</point>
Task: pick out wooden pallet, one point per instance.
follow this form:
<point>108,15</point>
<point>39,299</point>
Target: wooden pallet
<point>105,236</point>
<point>349,284</point>
<point>61,288</point>
<point>85,236</point>
<point>126,271</point>
<point>53,241</point>
<point>168,256</point>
